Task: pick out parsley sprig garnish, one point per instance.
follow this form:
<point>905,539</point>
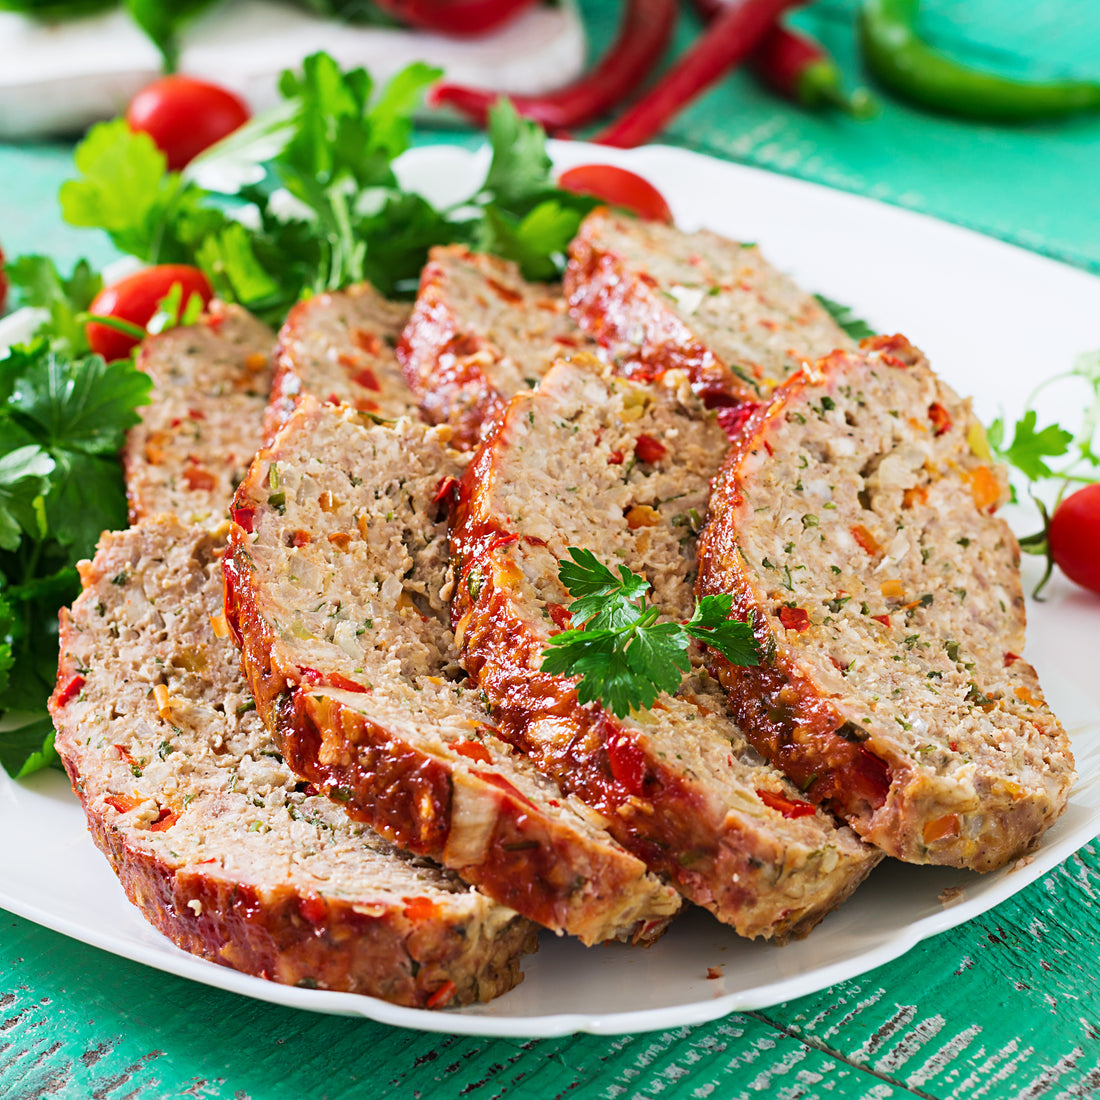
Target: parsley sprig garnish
<point>307,197</point>
<point>1031,451</point>
<point>623,654</point>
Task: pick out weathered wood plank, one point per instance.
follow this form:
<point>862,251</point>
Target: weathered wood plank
<point>1004,1007</point>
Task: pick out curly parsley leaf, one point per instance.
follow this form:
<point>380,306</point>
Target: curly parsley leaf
<point>623,655</point>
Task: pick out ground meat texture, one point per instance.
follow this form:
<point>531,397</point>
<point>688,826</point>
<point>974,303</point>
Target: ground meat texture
<point>480,333</point>
<point>336,584</point>
<point>854,522</point>
<point>623,469</point>
<point>659,298</point>
<point>339,347</point>
<point>216,841</point>
<point>201,428</point>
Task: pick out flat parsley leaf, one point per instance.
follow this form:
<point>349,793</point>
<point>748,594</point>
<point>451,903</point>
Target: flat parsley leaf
<point>624,657</point>
<point>1029,448</point>
<point>38,283</point>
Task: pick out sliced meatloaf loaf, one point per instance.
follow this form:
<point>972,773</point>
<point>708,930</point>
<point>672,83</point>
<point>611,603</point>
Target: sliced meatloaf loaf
<point>714,308</point>
<point>478,334</point>
<point>203,424</point>
<point>623,469</point>
<point>219,845</point>
<point>854,524</point>
<point>336,583</point>
<point>340,348</point>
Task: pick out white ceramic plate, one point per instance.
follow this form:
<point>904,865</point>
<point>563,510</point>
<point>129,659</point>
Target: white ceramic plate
<point>994,319</point>
<point>61,77</point>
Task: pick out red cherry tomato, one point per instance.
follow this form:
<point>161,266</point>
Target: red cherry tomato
<point>1074,537</point>
<point>135,299</point>
<point>3,283</point>
<point>619,187</point>
<point>184,116</point>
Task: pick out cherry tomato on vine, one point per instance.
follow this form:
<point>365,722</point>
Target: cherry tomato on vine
<point>619,187</point>
<point>1074,537</point>
<point>185,116</point>
<point>135,299</point>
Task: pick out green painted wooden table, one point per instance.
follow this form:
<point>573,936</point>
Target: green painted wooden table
<point>1006,1006</point>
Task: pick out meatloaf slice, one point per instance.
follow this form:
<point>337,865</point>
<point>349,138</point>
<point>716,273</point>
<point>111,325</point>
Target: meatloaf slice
<point>623,469</point>
<point>714,308</point>
<point>854,524</point>
<point>201,428</point>
<point>336,583</point>
<point>219,845</point>
<point>340,348</point>
<point>478,334</point>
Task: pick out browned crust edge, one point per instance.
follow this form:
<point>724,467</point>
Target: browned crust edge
<point>788,720</point>
<point>650,809</point>
<point>530,861</point>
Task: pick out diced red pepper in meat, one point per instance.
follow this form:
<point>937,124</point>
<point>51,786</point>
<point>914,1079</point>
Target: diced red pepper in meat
<point>794,618</point>
<point>444,488</point>
<point>865,539</point>
<point>70,691</point>
<point>940,417</point>
<point>732,418</point>
<point>199,479</point>
<point>559,615</point>
<point>420,909</point>
<point>124,803</point>
<point>442,995</point>
<point>648,449</point>
<point>615,458</point>
<point>627,763</point>
<point>884,619</point>
<point>473,750</point>
<point>165,820</point>
<point>367,379</point>
<point>501,540</point>
<point>788,807</point>
<point>243,518</point>
<point>1010,659</point>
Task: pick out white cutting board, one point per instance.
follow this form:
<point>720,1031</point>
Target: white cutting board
<point>58,78</point>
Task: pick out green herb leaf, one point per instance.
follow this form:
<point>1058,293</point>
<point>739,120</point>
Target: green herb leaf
<point>163,23</point>
<point>29,748</point>
<point>39,284</point>
<point>857,329</point>
<point>712,626</point>
<point>1029,448</point>
<point>624,657</point>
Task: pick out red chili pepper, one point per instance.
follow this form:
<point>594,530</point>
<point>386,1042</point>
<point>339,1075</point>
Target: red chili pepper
<point>729,39</point>
<point>800,69</point>
<point>644,35</point>
<point>466,18</point>
<point>788,807</point>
